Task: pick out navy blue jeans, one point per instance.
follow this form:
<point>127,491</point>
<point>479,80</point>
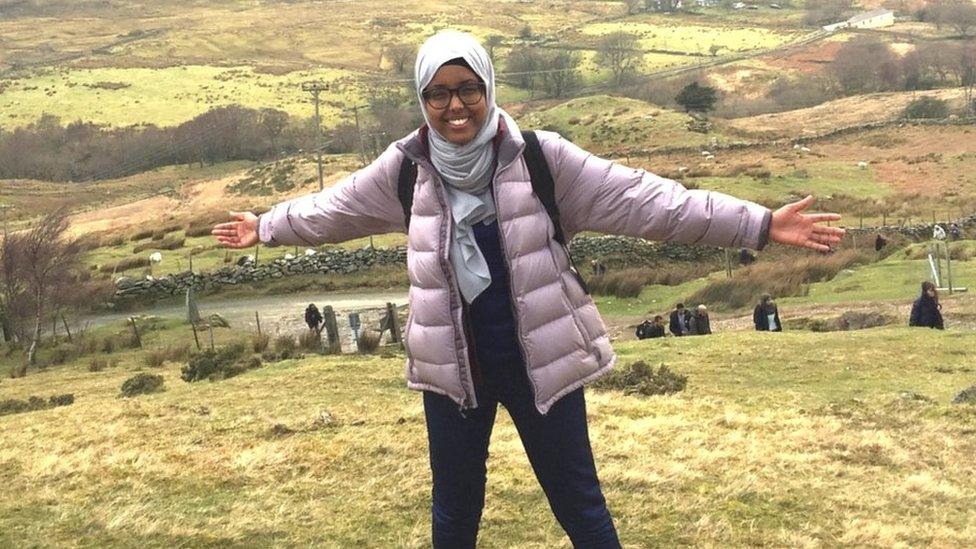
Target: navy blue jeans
<point>557,444</point>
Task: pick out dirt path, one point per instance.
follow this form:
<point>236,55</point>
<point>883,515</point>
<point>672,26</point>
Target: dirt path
<point>280,314</point>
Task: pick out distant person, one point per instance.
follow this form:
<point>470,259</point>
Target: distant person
<point>938,233</point>
<point>880,242</point>
<point>698,323</point>
<point>496,313</point>
<point>927,311</point>
<point>651,329</point>
<point>746,257</point>
<point>954,232</point>
<point>313,317</point>
<point>599,269</point>
<point>766,315</point>
<point>678,321</point>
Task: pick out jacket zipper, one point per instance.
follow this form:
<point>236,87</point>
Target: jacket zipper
<point>452,285</point>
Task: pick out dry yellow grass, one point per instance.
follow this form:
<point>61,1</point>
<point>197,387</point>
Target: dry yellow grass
<point>811,447</point>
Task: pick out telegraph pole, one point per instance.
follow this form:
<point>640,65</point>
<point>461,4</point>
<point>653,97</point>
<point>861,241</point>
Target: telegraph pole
<point>362,144</point>
<point>315,89</point>
<point>4,208</point>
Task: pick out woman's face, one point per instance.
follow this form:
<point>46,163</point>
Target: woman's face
<point>457,122</point>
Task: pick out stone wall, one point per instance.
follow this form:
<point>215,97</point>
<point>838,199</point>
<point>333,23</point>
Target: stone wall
<point>617,251</point>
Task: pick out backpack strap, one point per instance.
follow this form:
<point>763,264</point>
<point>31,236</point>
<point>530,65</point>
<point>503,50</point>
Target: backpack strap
<point>542,184</point>
<point>405,184</point>
<point>545,188</point>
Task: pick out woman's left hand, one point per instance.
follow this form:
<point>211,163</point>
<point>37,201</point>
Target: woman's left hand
<point>792,227</point>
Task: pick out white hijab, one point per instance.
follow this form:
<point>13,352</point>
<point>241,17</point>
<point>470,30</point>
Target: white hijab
<point>467,169</point>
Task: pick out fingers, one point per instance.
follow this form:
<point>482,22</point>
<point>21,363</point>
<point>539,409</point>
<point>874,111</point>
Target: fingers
<point>832,231</point>
<point>223,232</point>
<point>821,218</point>
<point>803,204</point>
<point>237,215</point>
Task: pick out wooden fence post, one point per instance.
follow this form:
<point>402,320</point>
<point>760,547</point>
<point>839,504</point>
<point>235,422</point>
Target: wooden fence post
<point>135,331</point>
<point>210,327</point>
<point>65,323</point>
<point>394,320</point>
<point>331,329</point>
<point>257,320</point>
<point>196,338</point>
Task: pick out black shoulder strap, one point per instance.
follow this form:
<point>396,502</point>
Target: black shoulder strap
<point>405,184</point>
<point>542,184</point>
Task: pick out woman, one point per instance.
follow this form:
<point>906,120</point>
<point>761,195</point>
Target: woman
<point>926,310</point>
<point>766,315</point>
<point>497,314</point>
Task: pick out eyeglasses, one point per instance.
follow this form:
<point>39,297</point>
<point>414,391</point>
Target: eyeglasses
<point>469,94</point>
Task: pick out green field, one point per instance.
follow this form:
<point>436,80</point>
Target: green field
<point>823,178</point>
<point>846,439</point>
<point>674,34</point>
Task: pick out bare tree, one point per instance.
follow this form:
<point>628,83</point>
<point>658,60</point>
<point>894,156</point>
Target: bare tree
<point>619,52</point>
<point>492,41</point>
<point>274,121</point>
<point>560,74</point>
<point>956,14</point>
<point>523,61</point>
<point>963,66</point>
<point>866,65</point>
<point>45,260</point>
<point>400,55</point>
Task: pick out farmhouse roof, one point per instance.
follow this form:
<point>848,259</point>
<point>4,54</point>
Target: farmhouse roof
<point>864,16</point>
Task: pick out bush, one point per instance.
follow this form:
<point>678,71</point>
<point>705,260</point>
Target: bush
<point>169,243</point>
<point>125,265</point>
<point>142,384</point>
<point>97,364</point>
<point>640,379</point>
<point>369,341</point>
<point>107,344</point>
<point>628,283</point>
<point>789,277</point>
<point>226,362</point>
<point>310,340</point>
<point>259,342</point>
<point>141,235</point>
<point>64,352</point>
<point>966,396</point>
<point>284,346</point>
<point>927,107</point>
<point>18,370</point>
<point>154,358</point>
<point>14,406</point>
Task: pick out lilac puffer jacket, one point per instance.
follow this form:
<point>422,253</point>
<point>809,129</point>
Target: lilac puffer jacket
<point>562,336</point>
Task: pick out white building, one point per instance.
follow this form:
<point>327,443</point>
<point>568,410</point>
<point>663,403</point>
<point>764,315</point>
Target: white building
<point>873,19</point>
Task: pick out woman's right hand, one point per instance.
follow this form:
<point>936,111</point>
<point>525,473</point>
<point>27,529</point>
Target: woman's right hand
<point>240,233</point>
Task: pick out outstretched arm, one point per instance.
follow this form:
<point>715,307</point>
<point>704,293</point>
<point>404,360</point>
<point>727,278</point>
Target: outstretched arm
<point>596,194</point>
<point>362,204</point>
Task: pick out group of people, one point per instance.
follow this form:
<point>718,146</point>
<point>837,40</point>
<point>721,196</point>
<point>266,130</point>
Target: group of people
<point>682,322</point>
<point>685,322</point>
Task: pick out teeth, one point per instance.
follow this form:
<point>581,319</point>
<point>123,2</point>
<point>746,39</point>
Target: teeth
<point>458,122</point>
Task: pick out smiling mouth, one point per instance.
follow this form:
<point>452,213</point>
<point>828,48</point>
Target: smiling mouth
<point>458,122</point>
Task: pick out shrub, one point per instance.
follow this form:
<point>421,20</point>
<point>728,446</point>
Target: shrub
<point>628,283</point>
<point>284,346</point>
<point>142,384</point>
<point>168,243</point>
<point>259,342</point>
<point>966,396</point>
<point>790,277</point>
<point>926,107</point>
<point>125,265</point>
<point>197,230</point>
<point>310,340</point>
<point>107,344</point>
<point>61,400</point>
<point>154,358</point>
<point>97,364</point>
<point>63,353</point>
<point>226,362</point>
<point>369,341</point>
<point>143,234</point>
<point>641,379</point>
<point>18,370</point>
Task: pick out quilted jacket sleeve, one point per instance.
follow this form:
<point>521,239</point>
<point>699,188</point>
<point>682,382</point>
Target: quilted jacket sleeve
<point>362,204</point>
<point>594,194</point>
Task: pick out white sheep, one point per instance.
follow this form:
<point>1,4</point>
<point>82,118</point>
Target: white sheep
<point>682,169</point>
<point>709,158</point>
<point>309,251</point>
<point>155,257</point>
<point>796,147</point>
<point>804,149</point>
<point>863,165</point>
<point>289,256</point>
<point>706,153</point>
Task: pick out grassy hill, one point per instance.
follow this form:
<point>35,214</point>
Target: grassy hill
<point>792,439</point>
